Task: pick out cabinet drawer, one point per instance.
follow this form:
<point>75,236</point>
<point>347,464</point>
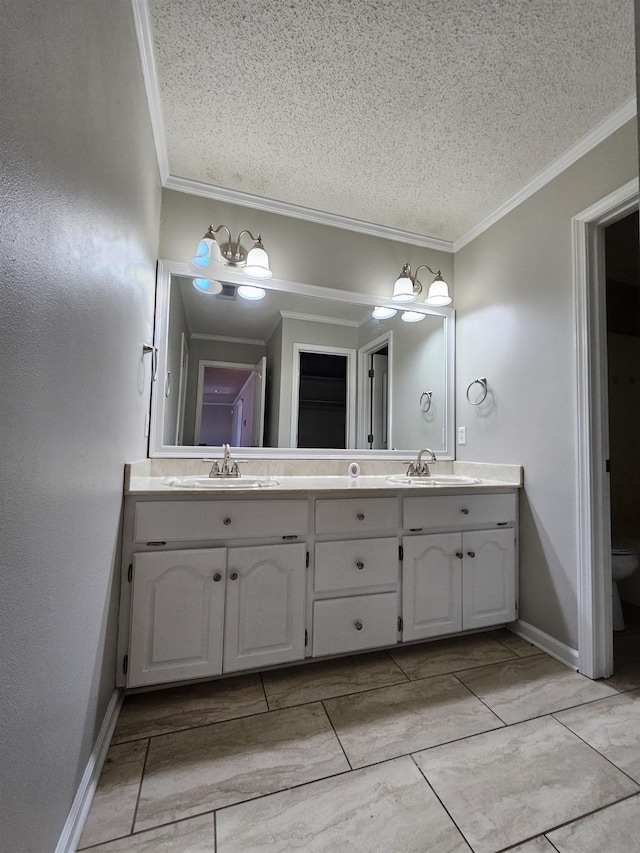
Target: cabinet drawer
<point>356,564</point>
<point>356,516</point>
<point>355,622</point>
<point>178,521</point>
<point>438,511</point>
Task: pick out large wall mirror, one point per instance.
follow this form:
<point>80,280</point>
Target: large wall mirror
<point>304,371</point>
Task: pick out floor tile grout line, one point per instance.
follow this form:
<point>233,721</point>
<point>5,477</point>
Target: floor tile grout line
<point>341,695</point>
<point>589,814</point>
<point>488,707</point>
<point>144,769</point>
<point>337,736</point>
<point>436,795</point>
<point>597,752</point>
<point>143,831</point>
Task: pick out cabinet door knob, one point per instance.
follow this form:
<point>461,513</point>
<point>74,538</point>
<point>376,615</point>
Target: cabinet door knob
<point>233,576</point>
<point>459,555</point>
<point>471,553</point>
<point>360,516</point>
<point>226,520</point>
<point>464,511</point>
<point>217,577</point>
<point>358,626</point>
<point>360,564</point>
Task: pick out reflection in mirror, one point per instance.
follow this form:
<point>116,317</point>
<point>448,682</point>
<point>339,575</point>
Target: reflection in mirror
<point>296,370</point>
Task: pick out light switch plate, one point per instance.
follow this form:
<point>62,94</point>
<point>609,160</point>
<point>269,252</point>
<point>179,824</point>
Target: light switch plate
<point>462,435</point>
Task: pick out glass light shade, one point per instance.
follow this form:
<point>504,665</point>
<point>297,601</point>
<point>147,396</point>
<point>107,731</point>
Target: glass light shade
<point>200,261</point>
<point>246,291</point>
<point>382,313</point>
<point>257,265</point>
<point>412,316</point>
<point>205,285</point>
<point>403,290</point>
<point>438,293</point>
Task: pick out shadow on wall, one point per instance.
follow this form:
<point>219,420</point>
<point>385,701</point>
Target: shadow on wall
<point>539,595</point>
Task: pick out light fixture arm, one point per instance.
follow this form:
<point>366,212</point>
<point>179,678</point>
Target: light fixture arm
<point>423,267</point>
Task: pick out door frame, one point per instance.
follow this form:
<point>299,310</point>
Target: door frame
<point>202,364</point>
<point>363,387</point>
<point>595,626</point>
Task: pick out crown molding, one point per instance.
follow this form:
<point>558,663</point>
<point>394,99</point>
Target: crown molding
<point>320,217</point>
<point>315,318</point>
<point>144,35</point>
<point>201,336</point>
<point>595,136</point>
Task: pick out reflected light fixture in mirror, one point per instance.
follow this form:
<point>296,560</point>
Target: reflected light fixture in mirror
<point>407,287</point>
<point>412,316</point>
<point>382,313</point>
<point>253,263</point>
<point>247,291</point>
<point>205,285</point>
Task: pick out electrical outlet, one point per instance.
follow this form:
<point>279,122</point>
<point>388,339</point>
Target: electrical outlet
<point>462,435</point>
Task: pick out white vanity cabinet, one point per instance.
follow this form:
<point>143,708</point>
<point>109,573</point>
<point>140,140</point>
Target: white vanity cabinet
<point>356,581</point>
<point>208,589</point>
<point>264,610</point>
<point>177,612</point>
<point>463,580</point>
<point>212,585</point>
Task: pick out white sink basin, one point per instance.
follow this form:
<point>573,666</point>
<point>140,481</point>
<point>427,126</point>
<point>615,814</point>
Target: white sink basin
<point>429,482</point>
<point>220,482</point>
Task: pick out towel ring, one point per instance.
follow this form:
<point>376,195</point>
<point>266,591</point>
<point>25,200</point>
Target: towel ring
<point>483,383</point>
<point>428,395</point>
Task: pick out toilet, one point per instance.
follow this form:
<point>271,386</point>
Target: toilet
<point>624,562</point>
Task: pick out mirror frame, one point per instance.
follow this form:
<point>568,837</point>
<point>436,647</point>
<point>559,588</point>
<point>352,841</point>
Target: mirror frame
<point>166,269</point>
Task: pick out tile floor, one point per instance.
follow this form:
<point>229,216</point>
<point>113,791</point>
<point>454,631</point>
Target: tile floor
<point>478,743</point>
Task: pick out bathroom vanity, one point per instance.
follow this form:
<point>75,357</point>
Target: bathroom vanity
<point>226,580</point>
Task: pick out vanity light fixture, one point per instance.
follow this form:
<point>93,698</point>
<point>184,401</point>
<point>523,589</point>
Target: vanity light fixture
<point>407,287</point>
<point>253,263</point>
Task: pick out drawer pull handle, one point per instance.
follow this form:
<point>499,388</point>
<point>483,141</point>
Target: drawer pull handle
<point>360,565</point>
<point>471,553</point>
<point>217,577</point>
<point>233,576</point>
<point>464,511</point>
<point>226,520</point>
<point>358,626</point>
<point>459,555</point>
<point>360,516</point>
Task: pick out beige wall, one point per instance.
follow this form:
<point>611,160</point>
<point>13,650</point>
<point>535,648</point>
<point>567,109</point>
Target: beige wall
<point>514,325</point>
<point>78,243</point>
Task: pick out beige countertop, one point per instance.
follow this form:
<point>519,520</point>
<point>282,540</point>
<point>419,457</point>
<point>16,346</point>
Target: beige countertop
<point>159,484</point>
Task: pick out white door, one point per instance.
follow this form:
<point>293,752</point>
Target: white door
<point>177,615</point>
<point>431,585</point>
<point>265,600</point>
<point>489,578</point>
<point>260,390</point>
<point>182,388</point>
<point>379,400</point>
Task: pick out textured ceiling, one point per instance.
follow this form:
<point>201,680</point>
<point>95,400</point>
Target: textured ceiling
<point>424,115</point>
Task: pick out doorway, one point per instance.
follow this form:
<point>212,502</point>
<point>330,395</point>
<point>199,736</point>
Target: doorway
<point>230,403</point>
<point>622,272</point>
<point>595,629</point>
<point>323,397</point>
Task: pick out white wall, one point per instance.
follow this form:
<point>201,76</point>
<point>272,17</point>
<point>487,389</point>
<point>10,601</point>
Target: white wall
<point>78,237</point>
<point>514,325</point>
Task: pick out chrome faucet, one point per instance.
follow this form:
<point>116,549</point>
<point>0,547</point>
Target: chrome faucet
<point>228,467</point>
<point>420,468</point>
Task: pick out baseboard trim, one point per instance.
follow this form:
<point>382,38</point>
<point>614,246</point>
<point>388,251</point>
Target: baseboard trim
<point>79,810</point>
<point>565,654</point>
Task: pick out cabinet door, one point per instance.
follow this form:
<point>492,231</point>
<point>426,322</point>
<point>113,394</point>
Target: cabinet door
<point>489,582</point>
<point>431,586</point>
<point>177,616</point>
<point>264,615</point>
